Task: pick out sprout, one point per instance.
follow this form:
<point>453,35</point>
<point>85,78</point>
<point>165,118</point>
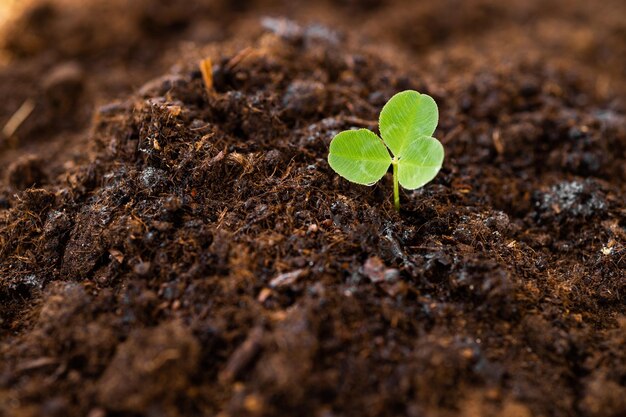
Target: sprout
<point>406,124</point>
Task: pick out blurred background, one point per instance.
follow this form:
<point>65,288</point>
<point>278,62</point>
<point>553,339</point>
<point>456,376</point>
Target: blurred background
<point>116,45</point>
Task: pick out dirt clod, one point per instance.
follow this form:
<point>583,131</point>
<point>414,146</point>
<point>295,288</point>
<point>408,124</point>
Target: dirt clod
<point>149,368</point>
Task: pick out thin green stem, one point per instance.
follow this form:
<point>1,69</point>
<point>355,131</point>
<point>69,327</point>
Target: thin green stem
<point>396,189</point>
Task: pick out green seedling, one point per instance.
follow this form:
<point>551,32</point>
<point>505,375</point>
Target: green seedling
<point>406,124</point>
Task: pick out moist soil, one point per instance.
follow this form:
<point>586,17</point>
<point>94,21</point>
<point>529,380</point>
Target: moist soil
<point>174,243</point>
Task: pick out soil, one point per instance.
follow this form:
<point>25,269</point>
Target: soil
<point>169,248</point>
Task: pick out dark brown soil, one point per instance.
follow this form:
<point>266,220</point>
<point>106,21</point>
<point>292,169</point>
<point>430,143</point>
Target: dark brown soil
<point>168,250</point>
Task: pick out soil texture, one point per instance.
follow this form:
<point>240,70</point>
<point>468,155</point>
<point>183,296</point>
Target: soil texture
<point>173,241</point>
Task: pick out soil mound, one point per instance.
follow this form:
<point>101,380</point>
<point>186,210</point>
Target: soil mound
<point>196,254</point>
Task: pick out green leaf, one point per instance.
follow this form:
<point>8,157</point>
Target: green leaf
<point>420,162</point>
<point>406,117</point>
<point>359,156</point>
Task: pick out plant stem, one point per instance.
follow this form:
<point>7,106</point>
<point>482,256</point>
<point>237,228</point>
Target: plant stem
<point>396,189</point>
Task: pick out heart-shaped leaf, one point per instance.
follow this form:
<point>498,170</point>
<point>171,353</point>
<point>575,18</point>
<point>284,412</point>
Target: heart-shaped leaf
<point>406,124</point>
<point>406,117</point>
<point>419,162</point>
<point>359,156</point>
